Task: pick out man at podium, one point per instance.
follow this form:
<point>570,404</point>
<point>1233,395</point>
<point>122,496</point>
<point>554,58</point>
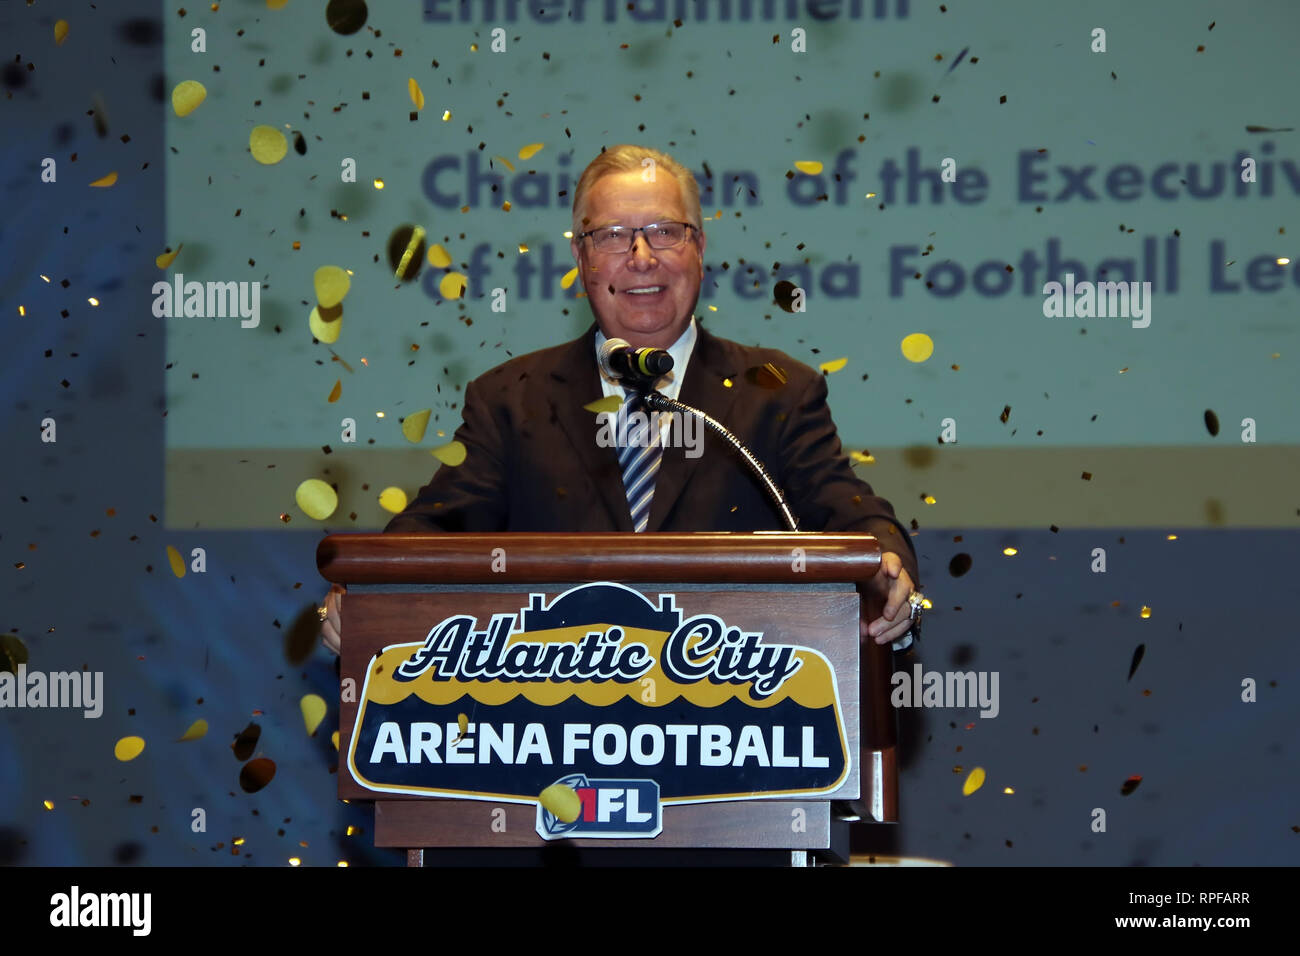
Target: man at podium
<point>537,459</point>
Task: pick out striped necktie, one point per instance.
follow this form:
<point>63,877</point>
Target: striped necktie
<point>639,458</point>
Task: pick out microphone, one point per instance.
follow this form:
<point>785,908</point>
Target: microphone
<point>619,360</point>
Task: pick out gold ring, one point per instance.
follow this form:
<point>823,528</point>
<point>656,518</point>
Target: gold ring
<point>322,612</point>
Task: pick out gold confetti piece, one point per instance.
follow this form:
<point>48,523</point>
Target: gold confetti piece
<point>865,457</point>
<point>414,425</point>
<point>974,780</point>
<point>811,167</point>
<point>327,332</point>
<point>313,712</point>
<point>268,145</point>
<point>834,365</point>
<point>294,861</point>
<point>334,739</point>
<point>506,163</point>
<point>336,391</point>
<point>610,403</point>
<point>439,258</point>
<point>198,730</point>
<point>417,94</point>
<point>1146,612</point>
<point>176,561</point>
<point>106,181</point>
<point>411,255</point>
<point>165,260</point>
<point>276,4</point>
<point>60,32</point>
<point>452,453</point>
<point>12,653</point>
<point>768,376</point>
<point>128,748</point>
<point>569,278</point>
<point>331,284</point>
<point>529,151</point>
<point>452,285</point>
<point>48,804</point>
<point>256,774</point>
<point>462,721</point>
<point>917,347</point>
<point>379,184</point>
<point>727,383</point>
<point>187,96</point>
<point>393,500</point>
<point>1009,552</point>
<point>246,742</point>
<point>929,499</point>
<point>561,801</point>
<point>316,499</point>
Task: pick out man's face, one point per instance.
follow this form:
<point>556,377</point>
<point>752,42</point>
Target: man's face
<point>655,319</point>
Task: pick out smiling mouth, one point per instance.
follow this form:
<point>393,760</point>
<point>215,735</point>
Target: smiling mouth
<point>646,290</point>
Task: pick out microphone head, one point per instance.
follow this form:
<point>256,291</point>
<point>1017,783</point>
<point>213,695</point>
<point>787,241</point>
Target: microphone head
<point>606,353</point>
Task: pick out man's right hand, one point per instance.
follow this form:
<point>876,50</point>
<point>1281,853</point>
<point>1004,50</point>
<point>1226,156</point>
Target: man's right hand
<point>331,628</point>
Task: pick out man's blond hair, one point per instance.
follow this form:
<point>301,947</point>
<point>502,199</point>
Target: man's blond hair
<point>627,157</point>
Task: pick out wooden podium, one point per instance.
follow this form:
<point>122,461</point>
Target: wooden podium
<point>772,614</point>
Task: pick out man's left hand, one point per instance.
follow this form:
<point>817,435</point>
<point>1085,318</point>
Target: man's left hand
<point>893,584</point>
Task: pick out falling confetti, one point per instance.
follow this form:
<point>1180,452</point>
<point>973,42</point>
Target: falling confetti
<point>393,500</point>
<point>439,258</point>
<point>336,391</point>
<point>959,564</point>
<point>1138,652</point>
<point>529,151</point>
<point>561,801</point>
<point>1130,785</point>
<point>417,94</point>
<point>60,32</point>
<point>569,278</point>
<point>12,653</point>
<point>783,295</point>
<point>246,742</point>
<point>331,284</point>
<point>105,181</point>
<point>334,739</point>
<point>864,457</point>
<point>256,774</point>
<point>414,425</point>
<point>1211,422</point>
<point>809,167</point>
<point>165,260</point>
<point>608,404</point>
<point>346,17</point>
<point>198,730</point>
<point>176,561</point>
<point>917,347</point>
<point>322,330</point>
<point>316,499</point>
<point>452,285</point>
<point>128,748</point>
<point>187,96</point>
<point>833,366</point>
<point>268,145</point>
<point>452,453</point>
<point>974,780</point>
<point>313,712</point>
<point>767,376</point>
<point>960,56</point>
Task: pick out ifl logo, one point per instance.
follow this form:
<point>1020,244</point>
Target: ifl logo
<point>575,806</point>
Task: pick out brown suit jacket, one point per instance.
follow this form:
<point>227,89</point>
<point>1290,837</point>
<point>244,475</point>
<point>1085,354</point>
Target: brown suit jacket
<point>533,462</point>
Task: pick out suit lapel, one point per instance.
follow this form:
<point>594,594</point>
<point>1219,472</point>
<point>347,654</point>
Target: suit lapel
<point>572,383</point>
<point>705,388</point>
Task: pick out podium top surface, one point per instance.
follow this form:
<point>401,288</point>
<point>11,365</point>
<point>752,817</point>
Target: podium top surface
<point>531,557</point>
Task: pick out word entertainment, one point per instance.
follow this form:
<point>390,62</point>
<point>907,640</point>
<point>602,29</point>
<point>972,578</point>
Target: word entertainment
<point>212,300</point>
<point>77,689</point>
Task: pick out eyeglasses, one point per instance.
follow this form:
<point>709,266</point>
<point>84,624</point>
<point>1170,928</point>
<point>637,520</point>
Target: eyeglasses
<point>619,239</point>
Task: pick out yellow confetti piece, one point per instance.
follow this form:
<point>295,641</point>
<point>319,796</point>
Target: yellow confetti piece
<point>1146,612</point>
<point>865,457</point>
<point>393,500</point>
<point>610,403</point>
<point>336,391</point>
<point>834,365</point>
<point>505,162</point>
<point>276,4</point>
<point>974,780</point>
<point>48,804</point>
<point>165,260</point>
<point>187,96</point>
<point>177,562</point>
<point>439,258</point>
<point>561,801</point>
<point>334,739</point>
<point>917,347</point>
<point>128,748</point>
<point>417,94</point>
<point>331,284</point>
<point>105,181</point>
<point>414,425</point>
<point>313,711</point>
<point>462,721</point>
<point>316,499</point>
<point>198,730</point>
<point>811,167</point>
<point>452,453</point>
<point>327,332</point>
<point>1010,552</point>
<point>529,151</point>
<point>267,144</point>
<point>569,278</point>
<point>452,285</point>
<point>403,270</point>
<point>929,499</point>
<point>60,32</point>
